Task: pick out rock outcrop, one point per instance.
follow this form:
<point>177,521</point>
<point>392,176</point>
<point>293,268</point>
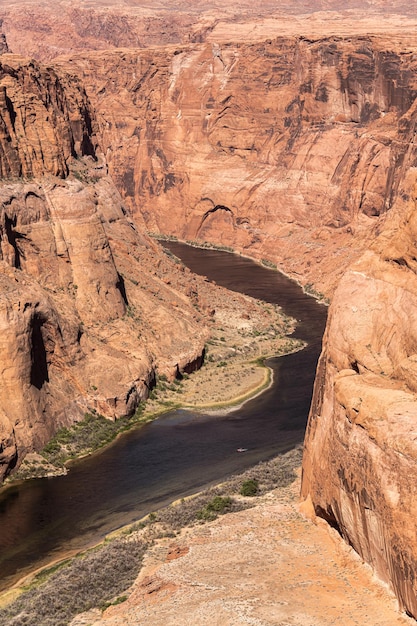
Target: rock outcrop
<point>301,151</point>
<point>291,149</point>
<point>3,43</point>
<point>85,309</point>
<point>360,460</point>
<point>45,29</point>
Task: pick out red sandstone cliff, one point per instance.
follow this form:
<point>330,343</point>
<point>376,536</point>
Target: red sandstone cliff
<point>290,149</point>
<point>47,28</point>
<point>300,149</point>
<point>85,308</point>
<point>360,459</point>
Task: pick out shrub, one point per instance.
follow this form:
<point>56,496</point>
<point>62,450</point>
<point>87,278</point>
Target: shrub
<point>98,578</point>
<point>268,263</point>
<point>249,487</point>
<point>88,581</point>
<point>91,433</point>
<point>217,506</point>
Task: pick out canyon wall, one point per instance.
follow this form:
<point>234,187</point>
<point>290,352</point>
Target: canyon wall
<point>302,152</point>
<point>298,149</point>
<point>45,29</point>
<point>291,149</point>
<point>88,305</point>
<point>360,458</point>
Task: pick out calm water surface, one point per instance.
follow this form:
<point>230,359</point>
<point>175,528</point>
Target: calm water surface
<point>176,455</point>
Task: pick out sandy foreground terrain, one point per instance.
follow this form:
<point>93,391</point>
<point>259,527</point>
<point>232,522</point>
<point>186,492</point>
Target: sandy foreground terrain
<point>264,566</point>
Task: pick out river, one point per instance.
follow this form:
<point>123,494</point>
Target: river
<point>44,519</point>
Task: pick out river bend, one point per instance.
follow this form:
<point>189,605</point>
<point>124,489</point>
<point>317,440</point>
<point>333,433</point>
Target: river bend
<point>178,454</point>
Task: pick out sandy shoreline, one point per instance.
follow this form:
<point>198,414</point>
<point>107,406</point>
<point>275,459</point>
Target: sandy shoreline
<point>244,333</point>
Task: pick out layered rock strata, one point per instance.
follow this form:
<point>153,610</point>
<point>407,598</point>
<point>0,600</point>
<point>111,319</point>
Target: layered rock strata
<point>291,149</point>
<point>298,149</point>
<point>3,43</point>
<point>46,28</point>
<point>86,311</point>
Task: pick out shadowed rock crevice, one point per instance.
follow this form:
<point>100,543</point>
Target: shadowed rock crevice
<point>120,285</point>
<point>12,112</point>
<point>329,517</point>
<point>12,237</point>
<point>219,208</point>
<point>39,363</point>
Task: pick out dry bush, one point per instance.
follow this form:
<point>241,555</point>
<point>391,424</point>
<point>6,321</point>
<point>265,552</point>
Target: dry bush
<point>104,573</point>
<point>87,582</point>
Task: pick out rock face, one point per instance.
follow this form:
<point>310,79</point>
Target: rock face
<point>360,461</point>
<point>301,151</point>
<point>42,124</point>
<point>84,318</point>
<point>291,149</point>
<point>45,29</point>
<point>3,43</point>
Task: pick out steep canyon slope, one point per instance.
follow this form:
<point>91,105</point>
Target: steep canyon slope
<point>85,302</point>
<point>300,151</point>
<point>290,149</point>
<point>291,139</point>
<point>278,134</point>
<point>45,28</point>
<point>362,424</point>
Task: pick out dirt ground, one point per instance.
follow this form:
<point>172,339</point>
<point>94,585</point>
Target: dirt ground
<point>265,566</point>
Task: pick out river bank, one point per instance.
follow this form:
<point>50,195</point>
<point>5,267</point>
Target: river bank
<point>184,451</point>
<point>243,332</point>
<point>242,551</point>
<point>234,494</point>
<point>264,565</point>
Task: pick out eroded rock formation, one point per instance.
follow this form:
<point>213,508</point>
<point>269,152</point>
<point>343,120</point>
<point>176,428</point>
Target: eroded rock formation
<point>298,148</point>
<point>360,461</point>
<point>45,29</point>
<point>3,43</point>
<point>85,320</point>
<point>290,149</point>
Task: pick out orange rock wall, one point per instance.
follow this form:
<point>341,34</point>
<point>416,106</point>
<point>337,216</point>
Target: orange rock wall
<point>290,149</point>
<point>360,459</point>
<point>86,310</point>
<point>297,149</point>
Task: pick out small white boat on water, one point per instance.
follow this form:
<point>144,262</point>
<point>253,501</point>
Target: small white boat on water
<point>242,450</point>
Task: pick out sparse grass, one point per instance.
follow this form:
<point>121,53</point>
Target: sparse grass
<point>209,246</point>
<point>172,256</point>
<point>100,577</point>
<point>88,435</point>
<point>310,290</point>
<point>162,237</point>
<point>269,264</point>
